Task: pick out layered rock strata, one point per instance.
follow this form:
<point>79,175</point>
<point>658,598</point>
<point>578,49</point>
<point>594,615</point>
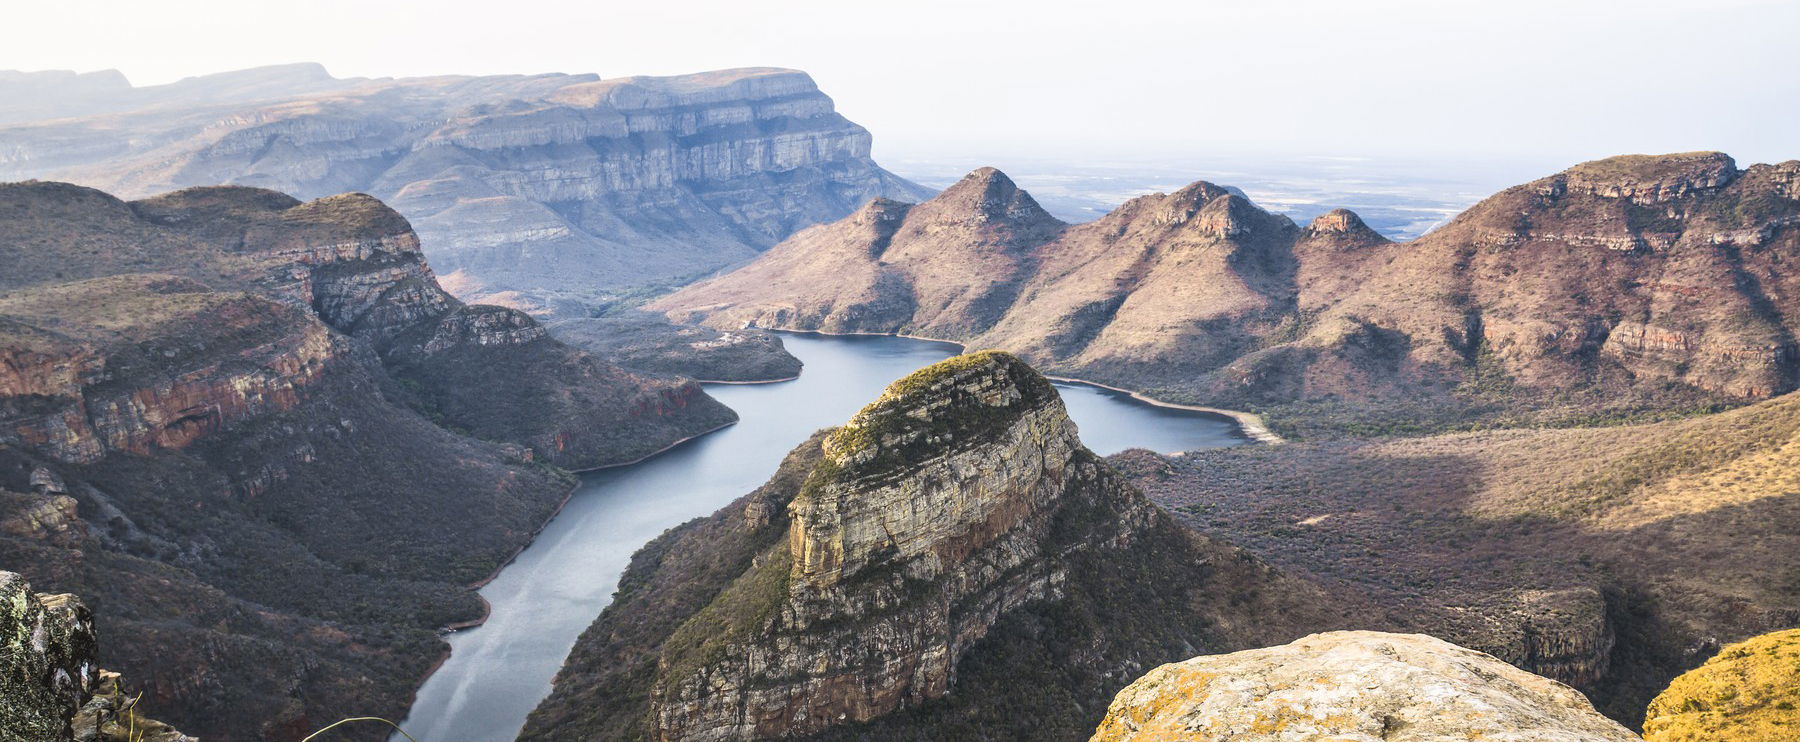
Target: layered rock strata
<point>260,436</point>
<point>553,193</point>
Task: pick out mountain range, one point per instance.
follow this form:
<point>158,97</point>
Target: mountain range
<point>552,193</point>
<point>1627,287</point>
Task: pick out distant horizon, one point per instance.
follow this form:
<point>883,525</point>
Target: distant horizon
<point>1550,82</point>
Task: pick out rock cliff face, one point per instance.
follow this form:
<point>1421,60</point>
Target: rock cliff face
<point>550,193</point>
<point>51,690</point>
<point>1622,286</point>
<point>347,260</point>
<point>902,574</point>
<point>241,426</point>
<point>1352,685</point>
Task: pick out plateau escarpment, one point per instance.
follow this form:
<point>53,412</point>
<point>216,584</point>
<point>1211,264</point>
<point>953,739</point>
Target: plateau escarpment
<point>552,193</point>
<point>949,563</point>
<point>271,450</point>
<point>1624,287</point>
<point>1611,559</point>
<point>1352,685</point>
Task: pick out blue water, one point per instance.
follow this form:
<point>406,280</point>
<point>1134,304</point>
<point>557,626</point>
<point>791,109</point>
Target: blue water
<point>499,671</point>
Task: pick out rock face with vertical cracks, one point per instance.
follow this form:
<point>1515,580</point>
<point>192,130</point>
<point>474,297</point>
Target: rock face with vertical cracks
<point>51,690</point>
<point>551,193</point>
<point>951,558</point>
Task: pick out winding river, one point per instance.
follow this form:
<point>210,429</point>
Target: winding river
<point>499,671</point>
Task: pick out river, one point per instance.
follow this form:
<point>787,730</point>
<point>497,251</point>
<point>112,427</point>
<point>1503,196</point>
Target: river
<point>498,672</point>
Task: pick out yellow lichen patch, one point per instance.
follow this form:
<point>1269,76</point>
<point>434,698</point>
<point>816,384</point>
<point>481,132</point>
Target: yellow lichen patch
<point>1749,692</point>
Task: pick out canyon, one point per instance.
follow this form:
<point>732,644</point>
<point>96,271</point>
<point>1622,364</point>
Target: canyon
<point>954,534</point>
<point>1627,288</point>
<point>557,194</point>
<point>260,439</point>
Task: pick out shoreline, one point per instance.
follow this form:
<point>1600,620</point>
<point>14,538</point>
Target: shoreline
<point>483,582</point>
<point>487,608</point>
<point>1250,424</point>
<point>759,381</point>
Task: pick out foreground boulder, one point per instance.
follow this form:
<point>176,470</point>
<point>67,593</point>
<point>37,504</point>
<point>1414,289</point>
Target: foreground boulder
<point>1749,692</point>
<point>1352,685</point>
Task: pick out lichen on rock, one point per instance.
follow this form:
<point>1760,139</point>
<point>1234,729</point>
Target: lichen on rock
<point>1352,685</point>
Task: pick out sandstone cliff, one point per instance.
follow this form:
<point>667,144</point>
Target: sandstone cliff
<point>1352,685</point>
<point>549,192</point>
<point>241,425</point>
<point>356,266</point>
<point>1611,559</point>
<point>950,563</point>
<point>51,689</point>
<point>1628,286</point>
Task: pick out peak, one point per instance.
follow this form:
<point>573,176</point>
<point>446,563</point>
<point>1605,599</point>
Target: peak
<point>944,423</point>
<point>1342,223</point>
<point>987,181</point>
<point>1201,192</point>
<point>1338,221</point>
<point>959,398</point>
<point>1649,178</point>
<point>987,195</point>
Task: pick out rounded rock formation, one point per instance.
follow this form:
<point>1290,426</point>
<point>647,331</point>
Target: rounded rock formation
<point>1352,685</point>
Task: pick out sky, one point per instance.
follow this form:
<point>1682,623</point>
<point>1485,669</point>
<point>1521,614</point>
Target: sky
<point>1512,80</point>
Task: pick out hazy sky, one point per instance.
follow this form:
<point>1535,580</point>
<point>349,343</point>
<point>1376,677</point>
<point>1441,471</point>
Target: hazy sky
<point>1539,79</point>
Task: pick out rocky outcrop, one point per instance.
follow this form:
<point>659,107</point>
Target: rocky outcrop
<point>924,522</point>
<point>50,687</point>
<point>1748,692</point>
<point>902,572</point>
<point>551,193</point>
<point>1622,286</point>
<point>1352,685</point>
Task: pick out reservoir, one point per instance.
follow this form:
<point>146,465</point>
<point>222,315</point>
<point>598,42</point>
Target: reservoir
<point>499,671</point>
